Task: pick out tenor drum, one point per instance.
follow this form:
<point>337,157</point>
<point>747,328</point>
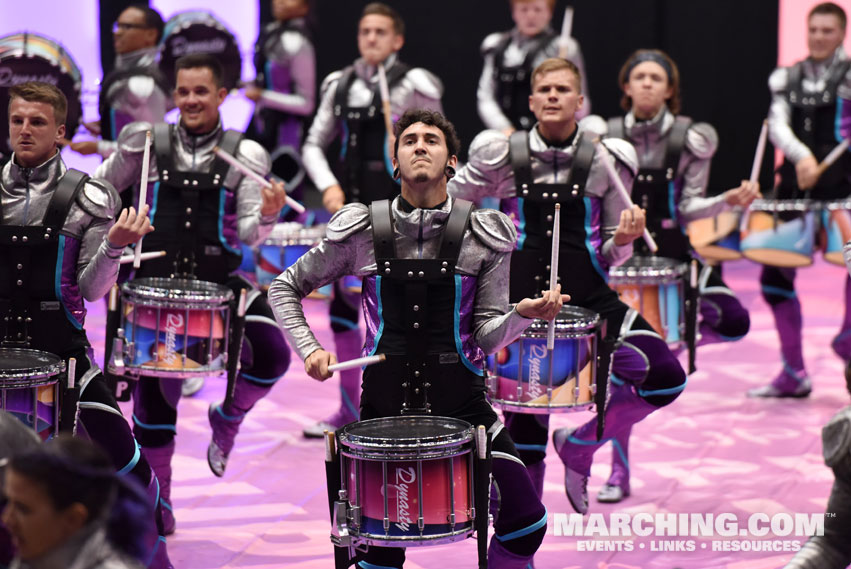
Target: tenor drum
<point>836,220</point>
<point>408,480</point>
<point>780,233</point>
<point>717,238</point>
<point>520,378</point>
<point>654,286</point>
<point>175,327</point>
<point>29,388</point>
<point>32,57</point>
<point>197,31</point>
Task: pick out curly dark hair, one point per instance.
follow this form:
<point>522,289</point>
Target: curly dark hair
<point>430,118</point>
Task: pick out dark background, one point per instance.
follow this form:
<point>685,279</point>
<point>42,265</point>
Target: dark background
<point>725,50</point>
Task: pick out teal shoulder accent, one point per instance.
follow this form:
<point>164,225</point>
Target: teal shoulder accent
<point>457,330</point>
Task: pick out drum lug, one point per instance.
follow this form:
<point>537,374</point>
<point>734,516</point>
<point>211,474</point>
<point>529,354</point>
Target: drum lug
<point>116,362</point>
<point>340,528</point>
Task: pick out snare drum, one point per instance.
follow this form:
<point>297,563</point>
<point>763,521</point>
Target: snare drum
<point>654,287</point>
<point>197,31</point>
<point>32,57</point>
<point>403,473</point>
<point>780,233</point>
<point>175,327</point>
<point>286,243</point>
<point>717,238</point>
<point>837,226</point>
<point>520,373</point>
<point>29,388</point>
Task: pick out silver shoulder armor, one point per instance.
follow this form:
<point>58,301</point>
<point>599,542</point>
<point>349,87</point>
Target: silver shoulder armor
<point>778,81</point>
<point>351,219</point>
<point>624,152</point>
<point>132,137</point>
<point>836,438</point>
<point>595,125</point>
<point>488,150</point>
<point>254,156</point>
<point>329,81</point>
<point>702,140</point>
<point>292,42</point>
<point>494,229</point>
<point>491,41</point>
<point>425,82</point>
<point>142,86</point>
<point>99,199</point>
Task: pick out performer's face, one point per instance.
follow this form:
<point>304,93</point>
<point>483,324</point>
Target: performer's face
<point>555,97</point>
<point>422,155</point>
<point>131,32</point>
<point>283,10</point>
<point>824,34</point>
<point>377,38</point>
<point>648,88</point>
<point>37,527</point>
<point>531,16</point>
<point>33,132</point>
<point>198,98</point>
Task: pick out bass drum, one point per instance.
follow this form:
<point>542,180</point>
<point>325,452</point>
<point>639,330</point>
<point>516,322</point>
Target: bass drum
<point>197,31</point>
<point>32,57</point>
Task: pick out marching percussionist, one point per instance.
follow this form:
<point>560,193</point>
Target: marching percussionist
<point>529,171</point>
<point>135,90</point>
<point>203,208</point>
<point>351,104</point>
<point>509,59</point>
<point>59,246</point>
<point>435,298</point>
<point>674,157</point>
<point>802,123</point>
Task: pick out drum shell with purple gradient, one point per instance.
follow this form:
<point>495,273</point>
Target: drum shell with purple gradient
<point>717,238</point>
<point>412,461</point>
<point>574,354</point>
<point>780,233</point>
<point>175,327</point>
<point>29,387</point>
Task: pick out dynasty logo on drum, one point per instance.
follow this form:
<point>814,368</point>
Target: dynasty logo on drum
<point>405,478</point>
<point>181,46</point>
<point>9,78</point>
<point>173,323</point>
<point>537,355</point>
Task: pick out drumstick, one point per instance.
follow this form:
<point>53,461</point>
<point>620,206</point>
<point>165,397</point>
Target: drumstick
<point>124,259</point>
<point>482,442</point>
<point>330,447</point>
<point>143,193</point>
<point>72,372</point>
<point>254,176</point>
<point>608,162</point>
<point>384,89</point>
<point>566,26</point>
<point>357,362</point>
<point>832,157</point>
<point>760,151</point>
<point>551,327</point>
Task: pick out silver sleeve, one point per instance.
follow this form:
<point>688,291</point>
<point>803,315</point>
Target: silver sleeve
<point>489,110</point>
<point>252,226</point>
<point>303,71</point>
<point>487,173</point>
<point>780,120</point>
<point>612,205</point>
<point>323,264</point>
<point>97,264</point>
<point>123,168</point>
<point>693,202</point>
<point>322,132</point>
<point>494,324</point>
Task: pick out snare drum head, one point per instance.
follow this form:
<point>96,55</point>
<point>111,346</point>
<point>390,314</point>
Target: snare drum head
<point>200,32</point>
<point>22,367</point>
<point>647,270</point>
<point>32,57</point>
<point>571,319</point>
<point>405,432</point>
<point>177,290</point>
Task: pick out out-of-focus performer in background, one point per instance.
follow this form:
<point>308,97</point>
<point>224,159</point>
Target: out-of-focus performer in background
<point>460,317</point>
<point>284,89</point>
<point>203,208</point>
<point>59,245</point>
<point>802,124</point>
<point>352,105</point>
<point>674,158</point>
<point>135,90</point>
<point>510,57</point>
<point>557,158</point>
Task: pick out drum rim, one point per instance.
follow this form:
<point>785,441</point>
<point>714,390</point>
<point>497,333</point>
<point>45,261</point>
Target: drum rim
<point>353,442</point>
<point>426,539</point>
<point>801,205</point>
<point>630,272</point>
<point>587,321</point>
<point>33,376</point>
<point>300,235</point>
<point>146,288</point>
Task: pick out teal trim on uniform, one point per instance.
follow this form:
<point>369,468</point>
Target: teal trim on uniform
<point>591,251</point>
<point>344,322</point>
<point>160,540</point>
<point>380,316</point>
<point>225,416</point>
<point>576,441</point>
<point>617,446</point>
<point>457,330</point>
<point>368,565</point>
<point>267,72</point>
<point>57,283</point>
<point>521,224</point>
<point>667,391</point>
<point>344,147</point>
<point>112,130</point>
<point>519,446</point>
<point>133,462</point>
<point>838,120</point>
<point>777,291</point>
<point>616,380</point>
<point>525,531</point>
<point>222,194</point>
<point>261,380</point>
<point>672,205</point>
<point>156,193</point>
<point>163,427</point>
